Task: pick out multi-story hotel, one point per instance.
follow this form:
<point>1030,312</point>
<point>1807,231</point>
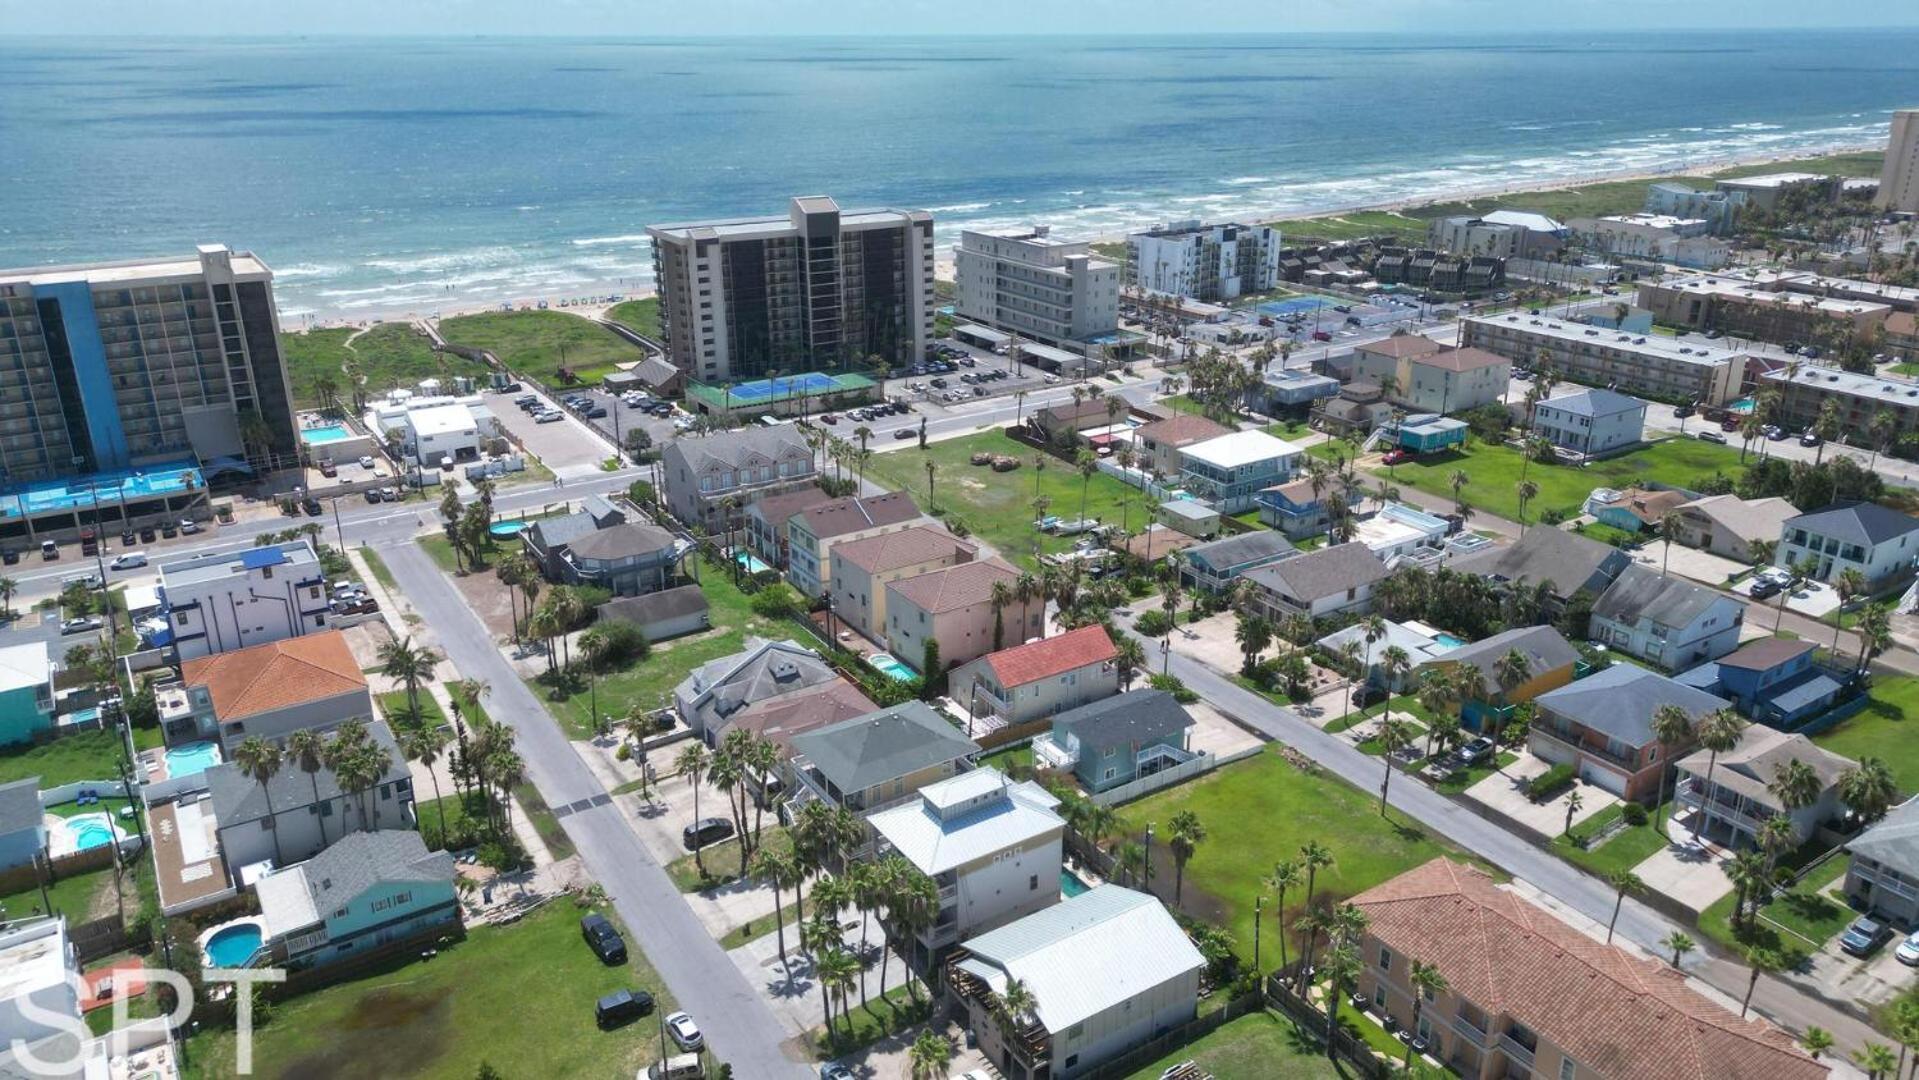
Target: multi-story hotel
<point>1780,307</point>
<point>1031,283</point>
<point>1899,177</point>
<point>150,365</point>
<point>1205,262</point>
<point>1804,389</point>
<point>819,289</point>
<point>1648,365</point>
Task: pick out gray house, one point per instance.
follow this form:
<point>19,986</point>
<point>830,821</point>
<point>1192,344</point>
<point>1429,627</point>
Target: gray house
<point>546,540</point>
<point>668,613</point>
<point>1566,561</point>
<point>764,670</point>
<point>881,759</point>
<point>1665,620</point>
<point>705,477</point>
<point>1884,875</point>
<point>1119,739</point>
<point>23,829</point>
<point>1591,421</point>
<point>1216,565</point>
<point>627,560</point>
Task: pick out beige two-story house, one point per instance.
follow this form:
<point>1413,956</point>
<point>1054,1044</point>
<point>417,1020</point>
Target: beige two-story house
<point>1039,678</point>
<point>862,570</point>
<point>955,607</point>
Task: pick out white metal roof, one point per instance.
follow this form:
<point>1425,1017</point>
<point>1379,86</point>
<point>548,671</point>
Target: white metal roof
<point>1525,219</point>
<point>449,419</point>
<point>286,903</point>
<point>938,833</point>
<point>1240,448</point>
<point>1086,954</point>
<point>22,666</point>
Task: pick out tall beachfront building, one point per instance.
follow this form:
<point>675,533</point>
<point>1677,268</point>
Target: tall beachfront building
<point>1899,180</point>
<point>1029,282</point>
<point>1206,262</point>
<point>112,368</point>
<point>819,289</point>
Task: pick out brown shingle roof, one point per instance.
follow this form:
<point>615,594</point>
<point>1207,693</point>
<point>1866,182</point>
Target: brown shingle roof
<point>263,678</point>
<point>1181,431</point>
<point>1156,541</point>
<point>1614,1013</point>
<point>1766,653</point>
<point>1651,506</point>
<point>1468,359</point>
<point>955,587</point>
<point>842,516</point>
<point>1051,656</point>
<point>1400,346</point>
<point>777,508</point>
<point>921,543</point>
<point>781,718</point>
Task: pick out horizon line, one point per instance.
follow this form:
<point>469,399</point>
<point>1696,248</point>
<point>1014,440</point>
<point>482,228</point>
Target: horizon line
<point>587,35</point>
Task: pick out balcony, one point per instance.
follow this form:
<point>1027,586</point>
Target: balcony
<point>1889,882</point>
<point>1571,741</point>
<point>1475,1035</point>
<point>1514,1050</point>
<point>1741,814</point>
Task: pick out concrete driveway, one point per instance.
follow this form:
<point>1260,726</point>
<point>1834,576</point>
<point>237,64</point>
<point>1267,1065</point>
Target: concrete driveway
<point>1506,792</point>
<point>1814,599</point>
<point>1873,981</point>
<point>1689,873</point>
<point>1214,734</point>
<point>1690,563</point>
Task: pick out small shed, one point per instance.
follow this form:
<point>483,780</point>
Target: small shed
<point>1189,516</point>
<point>661,615</point>
<point>1437,433</point>
<point>619,382</point>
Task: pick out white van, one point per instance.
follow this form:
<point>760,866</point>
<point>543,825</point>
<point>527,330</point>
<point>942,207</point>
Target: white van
<point>678,1067</point>
<point>128,560</point>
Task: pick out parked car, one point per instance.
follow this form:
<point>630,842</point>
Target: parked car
<point>82,625</point>
<point>1680,412</point>
<point>1397,455</point>
<point>1477,751</point>
<point>366,461</point>
<point>1711,436</point>
<point>188,526</point>
<point>128,560</point>
<point>49,550</point>
<point>677,1067</point>
<point>707,830</point>
<point>1864,936</point>
<point>621,1007</point>
<point>548,417</point>
<point>147,534</point>
<point>1763,587</point>
<point>1908,950</point>
<point>833,1070</point>
<point>903,433</point>
<point>684,1031</point>
<point>1810,438</point>
<point>372,495</point>
<point>606,942</point>
<point>312,506</point>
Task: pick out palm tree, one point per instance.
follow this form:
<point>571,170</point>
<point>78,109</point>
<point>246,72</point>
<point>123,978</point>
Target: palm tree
<point>1680,943</point>
<point>1669,526</point>
<point>7,588</point>
<point>423,743</point>
<point>545,625</point>
<point>1342,967</point>
<point>261,761</point>
<point>1880,430</point>
<point>836,969</point>
<point>412,666</point>
<point>1254,634</point>
<point>1013,1006</point>
<point>307,749</point>
<point>1184,835</point>
<point>1131,862</point>
<point>932,467</point>
<point>1875,1058</point>
<point>1528,490</point>
<point>1087,464</point>
<point>928,1056</point>
<point>1427,983</point>
<point>1794,784</point>
<point>1624,881</point>
<point>1395,735</point>
<point>780,870</point>
<point>1001,595</point>
<point>693,762</point>
<point>1573,802</point>
<point>1718,733</point>
<point>1848,583</point>
<point>1759,960</point>
<point>1672,729</point>
<point>1868,789</point>
<point>1286,876</point>
<point>1511,672</point>
<point>1775,837</point>
<point>1316,856</point>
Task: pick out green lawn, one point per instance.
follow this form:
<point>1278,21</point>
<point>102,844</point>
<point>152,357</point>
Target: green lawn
<point>1879,730</point>
<point>90,755</point>
<point>394,707</point>
<point>1608,534</point>
<point>379,569</point>
<point>465,817</point>
<point>1289,429</point>
<point>1800,920</point>
<point>998,507</point>
<point>539,343</point>
<point>866,1025</point>
<point>1495,472</point>
<point>1254,1047</point>
<point>650,682</point>
<point>70,896</point>
<point>1290,808</point>
<point>1012,759</point>
<point>388,356</point>
<point>518,997</point>
<point>640,316</point>
<point>1623,851</point>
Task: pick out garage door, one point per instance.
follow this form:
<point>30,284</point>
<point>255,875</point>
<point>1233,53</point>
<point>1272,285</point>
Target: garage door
<point>1603,778</point>
<point>1551,751</point>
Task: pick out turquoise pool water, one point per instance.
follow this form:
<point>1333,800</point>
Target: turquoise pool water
<point>233,946</point>
<point>506,528</point>
<point>750,562</point>
<point>1449,641</point>
<point>1070,886</point>
<point>189,758</point>
<point>320,436</point>
<point>889,666</point>
<point>89,831</point>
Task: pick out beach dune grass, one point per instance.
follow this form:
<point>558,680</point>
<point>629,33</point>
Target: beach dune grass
<point>998,507</point>
<point>641,316</point>
<point>540,343</point>
<point>388,356</point>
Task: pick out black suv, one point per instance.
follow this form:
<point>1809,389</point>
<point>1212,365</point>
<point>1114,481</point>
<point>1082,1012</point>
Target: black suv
<point>710,830</point>
<point>622,1007</point>
<point>606,942</point>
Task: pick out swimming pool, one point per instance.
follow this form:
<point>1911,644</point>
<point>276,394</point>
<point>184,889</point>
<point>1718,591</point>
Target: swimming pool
<point>890,666</point>
<point>330,433</point>
<point>750,562</point>
<point>1070,885</point>
<point>1448,640</point>
<point>232,946</point>
<point>506,528</point>
<point>189,758</point>
<point>87,831</point>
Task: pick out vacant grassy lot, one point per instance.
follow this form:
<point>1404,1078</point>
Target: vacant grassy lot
<point>389,355</point>
<point>518,997</point>
<point>650,682</point>
<point>1494,473</point>
<point>1800,920</point>
<point>1879,730</point>
<point>1290,808</point>
<point>998,507</point>
<point>1254,1047</point>
<point>1358,223</point>
<point>1622,851</point>
<point>540,343</point>
<point>90,755</point>
<point>640,316</point>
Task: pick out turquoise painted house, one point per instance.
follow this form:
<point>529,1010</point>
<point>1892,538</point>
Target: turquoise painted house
<point>26,691</point>
<point>369,890</point>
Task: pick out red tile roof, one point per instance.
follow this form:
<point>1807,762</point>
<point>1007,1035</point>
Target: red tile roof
<point>1617,1014</point>
<point>1051,656</point>
<point>279,674</point>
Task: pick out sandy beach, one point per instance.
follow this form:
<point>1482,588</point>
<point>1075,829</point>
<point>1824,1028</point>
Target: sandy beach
<point>590,303</point>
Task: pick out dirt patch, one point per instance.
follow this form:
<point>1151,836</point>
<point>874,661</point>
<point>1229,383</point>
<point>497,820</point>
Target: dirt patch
<point>365,642</point>
<point>391,1032</point>
<point>489,599</point>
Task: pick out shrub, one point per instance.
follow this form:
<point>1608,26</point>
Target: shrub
<point>1154,623</point>
<point>777,601</point>
<point>1550,783</point>
<point>624,752</point>
<point>1172,685</point>
<point>1634,813</point>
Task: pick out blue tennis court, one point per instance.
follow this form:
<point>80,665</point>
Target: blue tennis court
<point>1294,305</point>
<point>811,382</point>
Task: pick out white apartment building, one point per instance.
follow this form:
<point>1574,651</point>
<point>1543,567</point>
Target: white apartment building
<point>991,846</point>
<point>230,600</point>
<point>1860,396</point>
<point>1656,237</point>
<point>437,428</point>
<point>1206,262</point>
<point>1031,283</point>
<point>818,289</point>
<point>1648,365</point>
<point>1899,177</point>
<point>1720,209</point>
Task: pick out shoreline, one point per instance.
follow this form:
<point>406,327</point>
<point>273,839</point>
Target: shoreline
<point>592,306</point>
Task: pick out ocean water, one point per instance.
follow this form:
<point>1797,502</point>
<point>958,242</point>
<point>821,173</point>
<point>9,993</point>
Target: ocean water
<point>417,174</point>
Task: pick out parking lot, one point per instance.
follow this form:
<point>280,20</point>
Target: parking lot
<point>568,447</point>
<point>622,418</point>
